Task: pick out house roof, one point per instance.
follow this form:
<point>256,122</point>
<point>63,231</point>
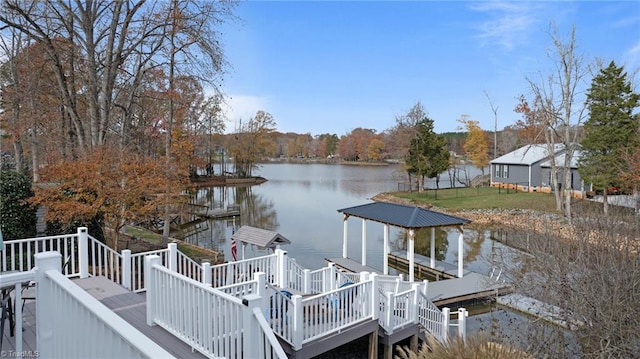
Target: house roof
<point>403,216</point>
<point>527,155</point>
<point>560,160</point>
<point>260,237</point>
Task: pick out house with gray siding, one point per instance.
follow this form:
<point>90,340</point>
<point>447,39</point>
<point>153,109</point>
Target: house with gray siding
<point>577,184</point>
<point>522,168</point>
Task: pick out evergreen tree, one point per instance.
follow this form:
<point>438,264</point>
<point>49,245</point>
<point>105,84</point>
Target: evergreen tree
<point>427,156</point>
<point>610,129</point>
<point>17,216</point>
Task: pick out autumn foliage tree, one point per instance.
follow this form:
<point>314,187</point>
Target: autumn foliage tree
<point>475,144</point>
<point>109,183</point>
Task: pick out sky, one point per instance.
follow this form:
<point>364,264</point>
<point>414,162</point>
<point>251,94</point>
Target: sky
<point>329,67</point>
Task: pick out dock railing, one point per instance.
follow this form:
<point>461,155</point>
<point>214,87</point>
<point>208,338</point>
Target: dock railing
<point>212,322</point>
<point>240,271</point>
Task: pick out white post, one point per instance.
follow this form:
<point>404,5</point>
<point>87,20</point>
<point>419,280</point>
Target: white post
<point>414,302</point>
<point>83,251</point>
<point>126,268</point>
<point>46,326</point>
<point>344,235</point>
<point>206,273</point>
<point>375,296</point>
<point>385,250</point>
<point>173,256</point>
<point>433,248</point>
<point>446,314</point>
<point>244,247</point>
<point>332,277</point>
<point>306,281</point>
<point>251,329</point>
<point>298,329</point>
<point>462,323</point>
<point>460,253</point>
<point>281,264</point>
<point>364,243</point>
<point>149,283</point>
<point>391,301</point>
<point>410,256</point>
<point>261,282</point>
<point>18,316</point>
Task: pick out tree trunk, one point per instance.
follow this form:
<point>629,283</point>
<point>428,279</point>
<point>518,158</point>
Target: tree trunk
<point>605,202</point>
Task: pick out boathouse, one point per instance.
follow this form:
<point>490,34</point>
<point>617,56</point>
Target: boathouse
<point>409,218</point>
<point>261,238</point>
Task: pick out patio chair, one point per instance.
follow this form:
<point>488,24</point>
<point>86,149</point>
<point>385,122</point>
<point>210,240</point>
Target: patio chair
<point>29,291</point>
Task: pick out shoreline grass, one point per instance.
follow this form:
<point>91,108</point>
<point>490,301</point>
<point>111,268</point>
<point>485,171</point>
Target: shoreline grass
<point>470,198</point>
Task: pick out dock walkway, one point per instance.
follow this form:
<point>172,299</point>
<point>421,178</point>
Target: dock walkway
<point>449,289</point>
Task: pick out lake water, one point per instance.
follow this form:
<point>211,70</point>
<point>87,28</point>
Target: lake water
<point>301,202</point>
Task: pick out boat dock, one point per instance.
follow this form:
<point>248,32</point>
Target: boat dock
<point>422,266</point>
<point>449,289</point>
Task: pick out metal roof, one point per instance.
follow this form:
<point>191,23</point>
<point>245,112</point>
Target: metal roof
<point>260,237</point>
<point>528,155</point>
<point>403,216</point>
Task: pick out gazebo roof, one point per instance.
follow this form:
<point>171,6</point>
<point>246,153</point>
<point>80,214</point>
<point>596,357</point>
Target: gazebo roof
<point>260,237</point>
<point>408,217</point>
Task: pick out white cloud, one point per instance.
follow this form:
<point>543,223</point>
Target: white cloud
<point>242,107</point>
<point>508,23</point>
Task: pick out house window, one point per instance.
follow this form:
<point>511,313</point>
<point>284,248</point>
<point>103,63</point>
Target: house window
<point>505,171</point>
<point>497,170</point>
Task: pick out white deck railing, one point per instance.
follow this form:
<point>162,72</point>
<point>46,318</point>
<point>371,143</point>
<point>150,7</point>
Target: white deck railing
<point>241,271</point>
<point>18,254</point>
<point>63,308</point>
<point>212,322</point>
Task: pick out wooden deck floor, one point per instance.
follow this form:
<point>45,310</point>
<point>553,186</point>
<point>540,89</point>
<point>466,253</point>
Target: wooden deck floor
<point>128,305</point>
<point>132,307</point>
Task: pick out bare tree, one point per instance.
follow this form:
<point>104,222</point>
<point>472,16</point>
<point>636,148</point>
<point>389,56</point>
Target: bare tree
<point>563,111</point>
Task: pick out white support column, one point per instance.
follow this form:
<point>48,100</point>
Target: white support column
<point>461,253</point>
<point>410,254</point>
<point>244,247</point>
<point>206,273</point>
<point>46,326</point>
<point>433,248</point>
<point>83,251</point>
<point>364,243</point>
<point>385,250</point>
<point>126,268</point>
<point>250,329</point>
<point>173,256</point>
<point>345,231</point>
<point>149,283</point>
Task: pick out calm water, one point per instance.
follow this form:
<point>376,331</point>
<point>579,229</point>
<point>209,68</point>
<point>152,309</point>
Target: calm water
<point>301,202</point>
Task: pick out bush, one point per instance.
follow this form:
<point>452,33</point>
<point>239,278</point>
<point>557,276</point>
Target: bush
<point>475,347</point>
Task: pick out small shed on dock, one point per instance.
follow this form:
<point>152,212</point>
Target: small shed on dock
<point>410,218</point>
<point>259,237</point>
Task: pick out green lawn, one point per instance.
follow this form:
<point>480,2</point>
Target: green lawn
<point>482,198</point>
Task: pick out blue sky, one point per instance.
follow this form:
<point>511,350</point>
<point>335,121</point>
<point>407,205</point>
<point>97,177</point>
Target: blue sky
<point>329,67</point>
